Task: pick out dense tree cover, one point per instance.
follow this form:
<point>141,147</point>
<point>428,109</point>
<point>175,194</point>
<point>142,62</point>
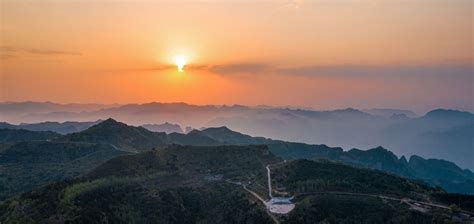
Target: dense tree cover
<point>26,165</point>
<point>120,135</point>
<point>130,202</point>
<point>17,135</point>
<point>137,139</point>
<point>173,185</point>
<point>443,173</point>
<point>463,201</point>
<point>230,161</point>
<point>167,185</point>
<point>354,209</point>
<point>303,176</point>
<point>435,172</point>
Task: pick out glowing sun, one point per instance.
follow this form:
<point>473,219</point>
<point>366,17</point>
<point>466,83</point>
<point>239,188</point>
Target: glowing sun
<point>180,62</point>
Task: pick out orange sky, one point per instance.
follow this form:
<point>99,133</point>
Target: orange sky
<point>414,54</point>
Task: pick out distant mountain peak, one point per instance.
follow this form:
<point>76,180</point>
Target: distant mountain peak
<point>380,148</point>
<point>195,132</point>
<point>439,113</point>
<point>351,111</point>
<point>348,110</point>
<point>109,122</point>
<point>221,128</point>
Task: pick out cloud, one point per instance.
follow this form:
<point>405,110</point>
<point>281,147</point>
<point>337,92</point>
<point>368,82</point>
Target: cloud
<point>238,68</point>
<point>6,56</point>
<point>330,71</point>
<point>165,67</point>
<point>11,51</point>
<point>52,52</point>
<point>7,49</point>
<point>347,71</point>
<point>224,69</point>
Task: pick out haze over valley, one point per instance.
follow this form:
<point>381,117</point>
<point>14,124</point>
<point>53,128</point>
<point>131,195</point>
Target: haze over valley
<point>440,133</point>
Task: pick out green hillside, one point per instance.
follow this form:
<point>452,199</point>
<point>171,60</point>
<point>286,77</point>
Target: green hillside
<point>172,185</point>
<point>197,184</point>
<point>120,135</point>
<point>435,172</point>
<point>18,135</point>
<point>115,137</point>
<point>26,165</point>
<point>303,176</point>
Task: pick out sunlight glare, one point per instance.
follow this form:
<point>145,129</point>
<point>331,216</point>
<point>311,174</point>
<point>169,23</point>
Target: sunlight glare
<point>180,63</point>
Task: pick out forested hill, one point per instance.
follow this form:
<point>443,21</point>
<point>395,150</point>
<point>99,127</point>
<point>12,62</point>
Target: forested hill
<point>111,138</point>
<point>434,171</point>
<point>204,184</point>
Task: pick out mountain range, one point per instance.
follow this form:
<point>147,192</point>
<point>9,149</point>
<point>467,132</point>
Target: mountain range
<point>441,133</point>
<point>110,138</point>
<point>115,172</point>
<point>221,184</point>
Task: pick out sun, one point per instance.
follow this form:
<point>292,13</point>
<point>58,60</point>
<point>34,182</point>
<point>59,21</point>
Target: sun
<point>180,62</point>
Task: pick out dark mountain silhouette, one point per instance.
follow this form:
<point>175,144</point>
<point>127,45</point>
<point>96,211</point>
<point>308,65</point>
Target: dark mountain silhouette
<point>29,164</point>
<point>231,161</point>
<point>378,158</point>
<point>13,135</point>
<point>135,139</point>
<point>58,127</point>
<point>61,128</point>
<point>120,136</point>
<point>5,125</point>
<point>194,137</point>
<point>226,136</point>
<point>449,114</point>
<point>443,173</point>
<point>73,126</point>
<point>385,112</point>
<point>347,128</point>
<point>165,127</point>
<point>445,134</point>
<point>189,184</point>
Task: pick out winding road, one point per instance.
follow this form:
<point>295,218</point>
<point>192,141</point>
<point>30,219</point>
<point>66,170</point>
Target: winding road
<point>408,201</point>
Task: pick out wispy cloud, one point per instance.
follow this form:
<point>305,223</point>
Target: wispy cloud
<point>11,52</point>
<point>330,71</point>
<point>6,56</point>
<point>379,71</point>
<point>347,71</point>
<point>238,68</point>
<point>52,52</point>
<point>223,69</point>
<point>7,49</point>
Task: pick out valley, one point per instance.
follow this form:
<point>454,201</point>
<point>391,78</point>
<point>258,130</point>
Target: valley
<point>273,181</point>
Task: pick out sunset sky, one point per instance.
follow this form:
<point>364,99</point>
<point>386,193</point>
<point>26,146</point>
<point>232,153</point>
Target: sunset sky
<point>324,54</point>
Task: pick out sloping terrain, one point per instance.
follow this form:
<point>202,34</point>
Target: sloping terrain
<point>120,135</point>
<point>436,172</point>
<point>116,137</point>
<point>190,184</point>
<point>26,165</point>
<point>440,133</point>
<point>12,135</point>
<point>337,193</point>
<point>169,185</point>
